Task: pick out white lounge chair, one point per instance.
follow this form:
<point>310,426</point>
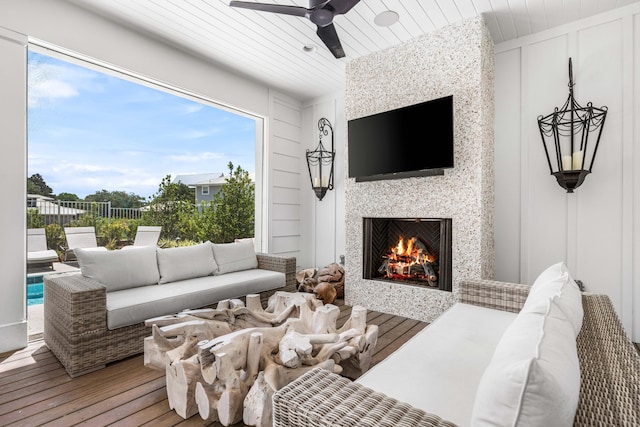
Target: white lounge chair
<point>37,251</point>
<point>147,235</point>
<point>80,237</point>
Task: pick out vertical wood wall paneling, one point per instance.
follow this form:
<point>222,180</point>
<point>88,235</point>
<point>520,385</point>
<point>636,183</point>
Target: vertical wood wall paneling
<point>340,172</point>
<point>596,229</point>
<point>284,176</point>
<point>599,236</point>
<point>632,153</point>
<point>507,166</point>
<point>322,229</point>
<point>546,201</point>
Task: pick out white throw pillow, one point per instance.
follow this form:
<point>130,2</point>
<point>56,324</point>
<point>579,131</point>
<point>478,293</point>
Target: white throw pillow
<point>533,378</point>
<point>185,262</point>
<point>119,269</point>
<point>556,281</point>
<point>236,256</point>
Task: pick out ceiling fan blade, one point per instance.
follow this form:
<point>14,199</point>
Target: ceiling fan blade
<point>342,6</point>
<point>329,37</point>
<point>275,8</point>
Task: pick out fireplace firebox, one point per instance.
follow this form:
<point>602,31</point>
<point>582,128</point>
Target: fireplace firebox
<point>409,251</point>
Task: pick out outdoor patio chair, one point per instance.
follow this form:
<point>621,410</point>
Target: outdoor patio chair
<point>38,253</point>
<point>147,235</point>
<point>80,237</point>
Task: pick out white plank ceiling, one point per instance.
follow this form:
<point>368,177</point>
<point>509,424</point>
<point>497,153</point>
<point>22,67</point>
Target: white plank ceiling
<point>268,47</point>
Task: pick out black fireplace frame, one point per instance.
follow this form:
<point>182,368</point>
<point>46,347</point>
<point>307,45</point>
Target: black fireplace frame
<point>445,250</point>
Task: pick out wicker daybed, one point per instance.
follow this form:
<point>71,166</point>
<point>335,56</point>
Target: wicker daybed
<point>609,375</point>
<point>75,317</point>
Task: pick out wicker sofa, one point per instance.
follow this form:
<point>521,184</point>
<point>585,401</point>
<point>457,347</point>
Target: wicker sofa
<point>609,366</point>
<point>97,316</point>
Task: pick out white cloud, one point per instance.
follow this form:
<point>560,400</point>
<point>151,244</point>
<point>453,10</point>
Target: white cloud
<point>49,90</point>
<point>72,168</point>
<point>196,157</point>
<point>191,108</point>
<point>200,133</point>
<point>48,82</point>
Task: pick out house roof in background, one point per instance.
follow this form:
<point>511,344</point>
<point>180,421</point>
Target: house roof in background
<point>268,47</point>
<point>192,179</point>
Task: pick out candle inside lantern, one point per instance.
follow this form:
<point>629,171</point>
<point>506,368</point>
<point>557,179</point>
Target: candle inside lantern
<point>577,160</point>
<point>325,181</point>
<point>316,182</point>
<point>566,163</point>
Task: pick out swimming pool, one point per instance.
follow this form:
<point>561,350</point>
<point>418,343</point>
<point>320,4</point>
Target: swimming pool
<point>35,290</point>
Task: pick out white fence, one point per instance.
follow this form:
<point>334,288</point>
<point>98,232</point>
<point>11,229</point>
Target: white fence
<point>63,211</point>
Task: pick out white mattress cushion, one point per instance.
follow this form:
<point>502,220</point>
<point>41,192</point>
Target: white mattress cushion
<point>236,256</point>
<point>556,281</point>
<point>185,262</point>
<point>131,306</point>
<point>439,369</point>
<point>48,255</point>
<point>118,270</point>
<point>534,376</point>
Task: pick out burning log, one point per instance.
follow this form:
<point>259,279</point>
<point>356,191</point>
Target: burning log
<point>410,262</point>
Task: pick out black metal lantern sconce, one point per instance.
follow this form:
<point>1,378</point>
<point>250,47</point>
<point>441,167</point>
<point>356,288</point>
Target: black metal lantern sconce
<point>565,133</point>
<point>320,162</point>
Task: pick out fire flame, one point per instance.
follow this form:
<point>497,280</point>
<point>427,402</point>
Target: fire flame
<point>406,254</point>
<point>409,254</point>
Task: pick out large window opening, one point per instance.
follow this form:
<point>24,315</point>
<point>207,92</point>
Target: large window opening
<point>113,150</point>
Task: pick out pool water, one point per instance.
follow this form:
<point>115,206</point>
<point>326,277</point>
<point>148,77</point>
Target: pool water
<point>35,290</point>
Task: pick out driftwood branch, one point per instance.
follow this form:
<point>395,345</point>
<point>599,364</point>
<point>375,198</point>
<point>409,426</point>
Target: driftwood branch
<point>226,363</point>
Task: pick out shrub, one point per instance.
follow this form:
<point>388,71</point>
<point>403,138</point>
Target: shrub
<point>34,219</point>
<point>55,238</point>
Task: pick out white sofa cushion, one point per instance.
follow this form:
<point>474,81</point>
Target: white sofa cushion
<point>117,269</point>
<point>236,256</point>
<point>132,306</point>
<point>438,370</point>
<point>534,376</point>
<point>556,281</point>
<point>185,262</point>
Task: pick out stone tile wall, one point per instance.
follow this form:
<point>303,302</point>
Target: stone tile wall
<point>456,60</point>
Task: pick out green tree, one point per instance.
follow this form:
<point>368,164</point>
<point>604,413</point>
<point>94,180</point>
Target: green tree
<point>173,192</point>
<point>67,197</point>
<point>118,199</point>
<point>234,207</point>
<point>172,207</point>
<point>37,185</point>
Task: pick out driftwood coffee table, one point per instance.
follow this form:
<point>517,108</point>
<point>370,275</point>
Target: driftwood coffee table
<point>226,363</point>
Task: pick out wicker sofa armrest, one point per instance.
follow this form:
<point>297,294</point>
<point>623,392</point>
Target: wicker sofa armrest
<point>493,294</point>
<point>322,398</point>
<point>74,304</point>
<point>609,368</point>
<point>286,265</point>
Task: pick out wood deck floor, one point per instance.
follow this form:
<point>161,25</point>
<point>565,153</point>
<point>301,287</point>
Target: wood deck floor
<point>35,389</point>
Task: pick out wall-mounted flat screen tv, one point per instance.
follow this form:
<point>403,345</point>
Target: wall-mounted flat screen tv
<point>416,140</point>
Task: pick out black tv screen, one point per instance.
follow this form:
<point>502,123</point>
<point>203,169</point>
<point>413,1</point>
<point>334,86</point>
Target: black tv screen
<point>408,141</point>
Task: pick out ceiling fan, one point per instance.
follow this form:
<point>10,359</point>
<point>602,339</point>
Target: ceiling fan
<point>320,12</point>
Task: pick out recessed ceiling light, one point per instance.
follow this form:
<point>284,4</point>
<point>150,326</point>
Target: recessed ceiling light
<point>309,48</point>
<point>386,18</point>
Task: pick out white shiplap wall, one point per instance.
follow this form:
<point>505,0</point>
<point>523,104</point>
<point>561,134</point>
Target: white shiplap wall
<point>284,168</point>
<point>323,220</point>
<point>596,229</point>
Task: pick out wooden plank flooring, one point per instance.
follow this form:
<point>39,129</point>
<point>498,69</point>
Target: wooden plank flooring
<point>35,389</point>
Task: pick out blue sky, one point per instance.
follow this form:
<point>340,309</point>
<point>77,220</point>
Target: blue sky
<point>89,131</point>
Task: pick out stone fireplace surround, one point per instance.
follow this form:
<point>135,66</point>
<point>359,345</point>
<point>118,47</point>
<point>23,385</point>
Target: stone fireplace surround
<point>456,60</point>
